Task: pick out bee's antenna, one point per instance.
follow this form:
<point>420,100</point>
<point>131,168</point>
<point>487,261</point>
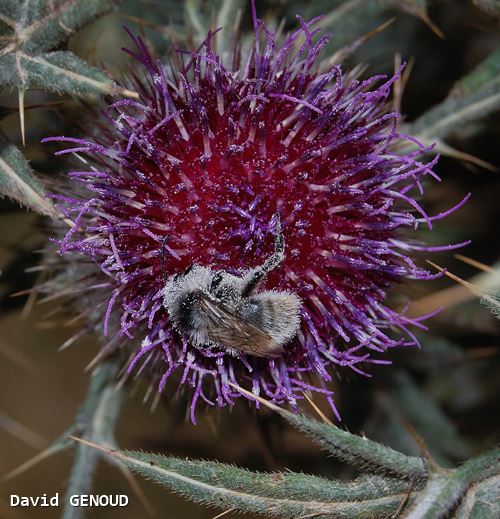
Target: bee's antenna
<point>162,255</point>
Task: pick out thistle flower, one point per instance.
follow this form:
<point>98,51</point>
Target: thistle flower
<point>206,156</point>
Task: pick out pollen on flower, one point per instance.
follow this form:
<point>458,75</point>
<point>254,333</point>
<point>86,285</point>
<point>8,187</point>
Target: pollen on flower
<point>207,156</point>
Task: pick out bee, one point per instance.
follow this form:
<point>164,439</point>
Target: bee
<point>213,308</point>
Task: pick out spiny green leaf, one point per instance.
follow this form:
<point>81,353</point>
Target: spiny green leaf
<point>350,19</point>
<point>359,451</point>
<point>492,302</point>
<point>18,181</point>
<point>29,29</point>
<point>474,96</point>
<point>280,495</point>
<point>442,120</point>
<point>417,8</point>
<point>406,399</point>
<point>60,71</point>
<point>445,489</point>
<point>41,25</point>
<point>483,75</point>
<point>420,508</point>
<point>482,500</point>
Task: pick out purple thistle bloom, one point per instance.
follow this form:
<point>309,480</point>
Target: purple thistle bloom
<point>207,156</point>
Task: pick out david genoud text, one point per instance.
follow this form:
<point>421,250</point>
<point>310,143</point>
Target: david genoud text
<point>84,500</point>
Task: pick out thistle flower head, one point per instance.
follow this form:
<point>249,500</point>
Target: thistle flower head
<point>207,155</point>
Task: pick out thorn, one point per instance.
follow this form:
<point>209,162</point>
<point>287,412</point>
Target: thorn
<point>21,432</point>
<point>126,92</point>
<point>32,462</point>
<point>30,302</point>
<point>23,292</point>
<point>69,222</point>
<point>482,353</point>
<point>16,357</point>
<point>137,490</point>
<point>407,71</point>
<point>482,295</point>
<point>142,23</point>
<point>474,263</point>
<point>126,472</point>
<point>218,516</point>
<point>212,425</point>
<point>426,456</point>
<point>403,502</point>
<point>21,116</point>
<point>459,280</point>
<point>446,149</point>
<point>88,443</point>
<point>263,401</point>
<point>422,447</point>
<point>432,26</point>
<point>348,49</point>
<point>317,409</point>
<point>398,85</point>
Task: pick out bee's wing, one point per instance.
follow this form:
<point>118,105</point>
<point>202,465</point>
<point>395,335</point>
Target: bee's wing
<point>226,328</point>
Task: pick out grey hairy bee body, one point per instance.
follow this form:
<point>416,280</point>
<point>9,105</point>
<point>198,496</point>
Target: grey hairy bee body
<point>215,308</point>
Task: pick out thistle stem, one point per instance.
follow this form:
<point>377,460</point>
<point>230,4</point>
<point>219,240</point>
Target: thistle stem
<point>95,421</point>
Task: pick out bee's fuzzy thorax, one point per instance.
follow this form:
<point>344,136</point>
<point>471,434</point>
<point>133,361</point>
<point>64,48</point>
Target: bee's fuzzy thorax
<point>207,155</point>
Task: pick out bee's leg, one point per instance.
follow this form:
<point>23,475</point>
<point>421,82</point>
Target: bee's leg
<point>253,277</point>
<point>162,255</point>
<point>163,266</point>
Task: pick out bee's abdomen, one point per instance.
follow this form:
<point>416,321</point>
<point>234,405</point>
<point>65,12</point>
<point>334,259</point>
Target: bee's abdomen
<point>276,313</point>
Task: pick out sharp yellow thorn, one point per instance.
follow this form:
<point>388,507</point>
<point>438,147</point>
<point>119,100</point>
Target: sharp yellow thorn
<point>474,263</point>
<point>129,93</point>
<point>347,50</point>
<point>134,485</point>
<point>482,295</point>
<point>30,463</point>
<point>101,448</point>
<point>432,26</point>
<point>21,116</point>
<point>140,21</point>
<point>30,302</point>
<point>218,516</point>
<point>424,451</point>
<point>462,155</point>
<point>407,71</point>
<point>397,513</point>
<point>263,401</point>
<point>317,409</point>
<point>462,282</point>
<point>68,222</point>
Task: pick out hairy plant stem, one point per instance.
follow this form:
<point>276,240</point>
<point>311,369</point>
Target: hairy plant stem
<point>96,422</point>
